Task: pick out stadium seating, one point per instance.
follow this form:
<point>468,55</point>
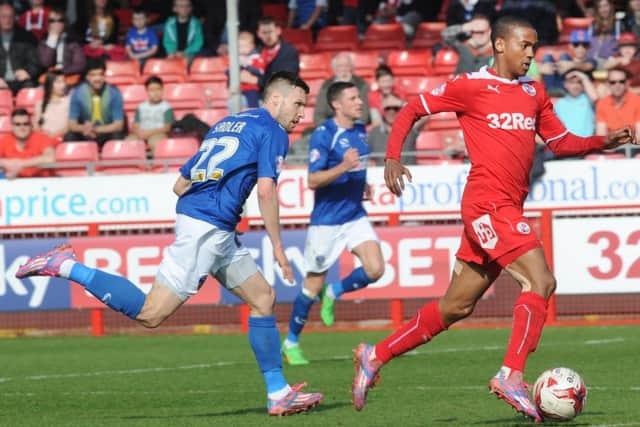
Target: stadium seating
<point>428,34</point>
<point>171,70</point>
<point>79,152</point>
<point>569,24</point>
<point>447,120</point>
<point>6,102</point>
<point>438,140</point>
<point>314,88</point>
<point>5,125</point>
<point>122,72</point>
<point>132,96</point>
<point>384,36</point>
<point>302,40</point>
<point>444,161</point>
<point>210,115</point>
<point>216,94</point>
<point>209,69</point>
<point>184,96</point>
<point>410,62</point>
<point>176,149</point>
<point>27,97</point>
<point>125,151</point>
<point>337,38</point>
<point>125,18</point>
<point>278,11</point>
<point>604,156</point>
<point>315,65</point>
<point>445,62</point>
<point>365,63</point>
<point>307,119</point>
<point>554,50</point>
<point>415,85</point>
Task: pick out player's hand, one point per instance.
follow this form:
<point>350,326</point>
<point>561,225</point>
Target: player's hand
<point>283,262</point>
<point>393,176</point>
<point>351,159</point>
<point>618,137</point>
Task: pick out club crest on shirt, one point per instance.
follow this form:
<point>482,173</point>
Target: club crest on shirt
<point>523,228</point>
<point>344,142</point>
<point>528,89</point>
<point>314,155</point>
<point>439,90</point>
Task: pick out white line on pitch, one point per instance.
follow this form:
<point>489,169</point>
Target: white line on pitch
<point>605,341</point>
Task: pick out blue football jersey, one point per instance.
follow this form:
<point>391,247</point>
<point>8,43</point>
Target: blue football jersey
<point>340,201</point>
<point>237,151</point>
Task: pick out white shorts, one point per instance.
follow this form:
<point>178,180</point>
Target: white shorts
<point>325,243</point>
<point>201,249</point>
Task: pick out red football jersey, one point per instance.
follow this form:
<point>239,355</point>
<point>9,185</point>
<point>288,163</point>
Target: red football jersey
<point>499,119</point>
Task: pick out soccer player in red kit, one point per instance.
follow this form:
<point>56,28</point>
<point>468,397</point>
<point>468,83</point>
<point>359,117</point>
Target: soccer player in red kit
<point>500,111</point>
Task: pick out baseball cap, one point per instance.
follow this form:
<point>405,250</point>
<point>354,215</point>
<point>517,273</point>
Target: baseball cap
<point>580,36</point>
<point>627,39</point>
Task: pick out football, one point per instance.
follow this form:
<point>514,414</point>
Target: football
<point>560,394</point>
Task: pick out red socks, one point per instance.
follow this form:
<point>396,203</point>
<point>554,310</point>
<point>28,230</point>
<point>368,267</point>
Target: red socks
<point>529,315</point>
<point>422,328</point>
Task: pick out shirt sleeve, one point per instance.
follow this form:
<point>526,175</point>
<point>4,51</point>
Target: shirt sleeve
<point>318,151</point>
<point>270,157</point>
<point>74,106</point>
<point>168,116</point>
<point>117,107</point>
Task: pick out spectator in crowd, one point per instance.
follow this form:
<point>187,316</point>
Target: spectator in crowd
<point>154,117</point>
<point>577,58</point>
<point>102,32</point>
<point>571,8</point>
<point>401,11</point>
<point>278,55</point>
<point>476,51</point>
<point>23,150</point>
<point>379,134</point>
<point>604,30</point>
<point>251,69</point>
<point>353,13</point>
<point>575,109</point>
<point>182,37</point>
<point>96,111</point>
<point>35,19</point>
<point>385,81</point>
<point>621,106</point>
<point>141,42</point>
<point>18,60</point>
<point>61,50</point>
<point>632,18</point>
<point>308,14</point>
<point>627,57</point>
<point>51,115</point>
<point>540,13</point>
<point>461,11</point>
<point>342,66</point>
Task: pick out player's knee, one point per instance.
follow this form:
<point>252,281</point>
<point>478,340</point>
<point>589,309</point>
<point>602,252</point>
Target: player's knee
<point>375,271</point>
<point>546,286</point>
<point>152,321</point>
<point>263,303</point>
<point>455,310</point>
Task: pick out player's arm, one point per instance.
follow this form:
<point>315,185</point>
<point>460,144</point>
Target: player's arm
<point>351,160</point>
<point>181,186</point>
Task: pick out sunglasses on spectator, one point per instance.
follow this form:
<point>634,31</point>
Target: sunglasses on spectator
<point>479,32</point>
<point>392,108</point>
<point>583,44</point>
<point>52,20</point>
<point>21,123</point>
<point>617,82</point>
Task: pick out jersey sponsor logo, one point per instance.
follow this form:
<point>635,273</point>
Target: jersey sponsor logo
<point>106,298</point>
<point>523,228</point>
<point>439,90</point>
<point>344,142</point>
<point>484,230</point>
<point>529,89</point>
<point>495,88</point>
<point>314,155</point>
<point>511,121</point>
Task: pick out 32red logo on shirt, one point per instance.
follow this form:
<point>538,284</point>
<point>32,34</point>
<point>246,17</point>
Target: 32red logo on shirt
<point>511,121</point>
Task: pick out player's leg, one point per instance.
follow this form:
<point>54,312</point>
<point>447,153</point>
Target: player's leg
<point>362,240</point>
<point>469,282</point>
<point>311,287</point>
<point>264,337</point>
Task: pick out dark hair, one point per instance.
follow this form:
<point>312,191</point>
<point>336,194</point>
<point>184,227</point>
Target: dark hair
<point>60,12</point>
<point>572,70</point>
<point>383,70</point>
<point>480,16</point>
<point>95,63</point>
<point>153,79</point>
<point>503,25</point>
<point>139,11</point>
<point>335,90</point>
<point>286,76</point>
<point>50,77</point>
<point>19,112</point>
<point>267,20</point>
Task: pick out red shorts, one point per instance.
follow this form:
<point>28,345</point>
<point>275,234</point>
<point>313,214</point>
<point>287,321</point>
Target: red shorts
<point>495,233</point>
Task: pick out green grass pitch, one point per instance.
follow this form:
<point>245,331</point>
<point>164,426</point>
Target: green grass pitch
<point>212,380</point>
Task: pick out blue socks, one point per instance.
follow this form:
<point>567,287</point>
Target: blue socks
<point>299,315</point>
<point>356,280</point>
<point>265,343</point>
<point>115,291</point>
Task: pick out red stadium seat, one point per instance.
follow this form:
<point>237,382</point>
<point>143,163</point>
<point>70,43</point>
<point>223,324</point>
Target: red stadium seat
<point>122,72</point>
<point>79,152</point>
<point>315,65</point>
<point>428,34</point>
<point>439,140</point>
<point>384,36</point>
<point>415,85</point>
<point>278,11</point>
<point>553,50</point>
<point>125,18</point>
<point>132,96</point>
<point>126,151</point>
<point>605,156</point>
<point>307,119</point>
<point>365,63</point>
<point>569,24</point>
<point>5,124</point>
<point>6,102</point>
<point>27,98</point>
<point>410,62</point>
<point>210,116</point>
<point>209,69</point>
<point>302,40</point>
<point>314,88</point>
<point>338,38</point>
<point>445,62</point>
<point>184,96</point>
<point>174,152</point>
<point>216,94</point>
<point>445,161</point>
<point>171,70</point>
<point>446,120</point>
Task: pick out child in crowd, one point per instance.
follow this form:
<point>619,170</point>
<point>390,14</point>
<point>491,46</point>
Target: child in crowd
<point>35,19</point>
<point>142,42</point>
<point>252,68</point>
<point>154,117</point>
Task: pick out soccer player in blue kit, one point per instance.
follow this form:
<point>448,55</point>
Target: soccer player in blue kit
<point>338,173</point>
<point>238,152</point>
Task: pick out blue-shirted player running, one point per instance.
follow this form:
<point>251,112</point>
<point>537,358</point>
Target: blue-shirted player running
<point>238,151</point>
<point>338,174</point>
